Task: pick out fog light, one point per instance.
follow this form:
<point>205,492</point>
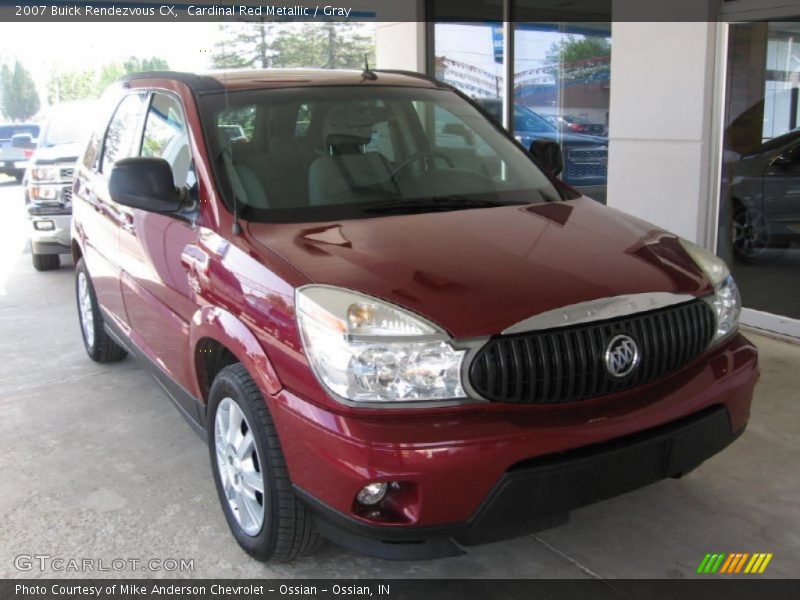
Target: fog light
<point>44,225</point>
<point>372,493</point>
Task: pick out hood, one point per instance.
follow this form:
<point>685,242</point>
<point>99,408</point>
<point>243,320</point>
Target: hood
<point>477,272</point>
<point>563,138</point>
<point>57,154</point>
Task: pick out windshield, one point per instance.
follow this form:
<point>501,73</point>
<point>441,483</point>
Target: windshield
<point>524,118</point>
<point>527,120</point>
<point>9,131</point>
<point>67,125</point>
<point>331,153</point>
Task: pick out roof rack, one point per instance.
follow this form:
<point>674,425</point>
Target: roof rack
<point>415,74</point>
<point>197,83</point>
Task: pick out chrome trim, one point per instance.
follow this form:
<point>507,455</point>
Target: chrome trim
<point>598,310</point>
<point>612,353</point>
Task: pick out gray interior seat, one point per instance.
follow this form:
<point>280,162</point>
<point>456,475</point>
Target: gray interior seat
<point>334,177</point>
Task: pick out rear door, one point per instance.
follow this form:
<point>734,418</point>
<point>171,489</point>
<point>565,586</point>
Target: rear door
<point>97,215</point>
<point>155,285</point>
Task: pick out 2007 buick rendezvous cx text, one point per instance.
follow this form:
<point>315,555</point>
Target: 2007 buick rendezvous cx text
<point>393,328</point>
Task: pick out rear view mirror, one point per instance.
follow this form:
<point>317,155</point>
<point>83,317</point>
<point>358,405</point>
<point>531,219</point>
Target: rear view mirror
<point>23,140</point>
<point>145,183</point>
<point>549,156</point>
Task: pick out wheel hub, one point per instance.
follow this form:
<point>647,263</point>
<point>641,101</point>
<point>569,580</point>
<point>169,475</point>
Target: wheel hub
<point>239,466</point>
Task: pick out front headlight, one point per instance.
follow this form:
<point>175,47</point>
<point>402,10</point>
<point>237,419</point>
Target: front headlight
<point>45,192</point>
<point>45,174</point>
<point>727,304</point>
<point>726,301</point>
<point>366,350</point>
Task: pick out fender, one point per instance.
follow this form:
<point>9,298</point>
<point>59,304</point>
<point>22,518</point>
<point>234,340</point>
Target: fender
<point>222,326</point>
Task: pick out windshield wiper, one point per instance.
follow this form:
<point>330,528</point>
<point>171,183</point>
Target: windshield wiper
<point>442,204</point>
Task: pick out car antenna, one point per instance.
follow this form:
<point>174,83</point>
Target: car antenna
<point>368,73</point>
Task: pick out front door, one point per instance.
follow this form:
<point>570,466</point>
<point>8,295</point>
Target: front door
<point>155,285</point>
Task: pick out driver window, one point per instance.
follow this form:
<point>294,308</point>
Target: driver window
<point>165,136</point>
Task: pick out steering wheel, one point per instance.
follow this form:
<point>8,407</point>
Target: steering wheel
<point>419,156</point>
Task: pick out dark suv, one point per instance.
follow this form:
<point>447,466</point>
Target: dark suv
<point>401,344</point>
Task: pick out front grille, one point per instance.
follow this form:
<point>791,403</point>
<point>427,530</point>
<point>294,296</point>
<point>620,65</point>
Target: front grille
<point>67,174</point>
<point>583,171</point>
<point>567,364</point>
<point>66,195</point>
<point>589,154</point>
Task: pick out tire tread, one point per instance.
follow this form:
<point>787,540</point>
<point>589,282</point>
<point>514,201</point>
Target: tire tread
<point>295,532</point>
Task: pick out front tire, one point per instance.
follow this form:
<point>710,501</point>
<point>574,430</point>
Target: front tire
<point>99,345</point>
<point>250,472</point>
<point>45,262</point>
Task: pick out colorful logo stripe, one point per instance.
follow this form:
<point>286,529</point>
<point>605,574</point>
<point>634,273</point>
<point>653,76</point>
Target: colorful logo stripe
<point>737,562</point>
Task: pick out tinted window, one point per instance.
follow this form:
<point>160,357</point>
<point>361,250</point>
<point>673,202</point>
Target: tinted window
<point>121,135</point>
<point>165,137</point>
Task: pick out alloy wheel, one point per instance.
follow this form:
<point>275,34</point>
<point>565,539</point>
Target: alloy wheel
<point>749,232</point>
<point>239,465</point>
<point>85,309</point>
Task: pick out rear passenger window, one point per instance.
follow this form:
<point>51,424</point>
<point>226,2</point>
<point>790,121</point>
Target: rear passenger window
<point>165,136</point>
<point>121,135</point>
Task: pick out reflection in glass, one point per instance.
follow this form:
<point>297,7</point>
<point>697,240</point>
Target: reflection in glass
<point>759,226</point>
<point>561,82</point>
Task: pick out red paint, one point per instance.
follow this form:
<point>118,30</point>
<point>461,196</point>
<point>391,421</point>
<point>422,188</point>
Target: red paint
<point>474,272</point>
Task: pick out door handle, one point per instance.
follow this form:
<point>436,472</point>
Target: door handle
<point>127,223</point>
<point>193,257</point>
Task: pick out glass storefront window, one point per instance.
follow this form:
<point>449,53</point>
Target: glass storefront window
<point>759,217</point>
<point>562,75</point>
<point>561,86</point>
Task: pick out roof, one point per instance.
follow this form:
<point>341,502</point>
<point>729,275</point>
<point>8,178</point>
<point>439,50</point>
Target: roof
<point>280,78</point>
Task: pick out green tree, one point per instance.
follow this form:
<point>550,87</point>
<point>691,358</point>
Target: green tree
<point>88,84</point>
<point>71,85</point>
<point>19,99</point>
<point>134,64</point>
<point>320,45</point>
<point>577,48</point>
<point>325,45</point>
<point>244,45</point>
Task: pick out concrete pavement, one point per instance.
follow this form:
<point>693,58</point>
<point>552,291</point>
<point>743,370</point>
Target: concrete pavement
<point>95,462</point>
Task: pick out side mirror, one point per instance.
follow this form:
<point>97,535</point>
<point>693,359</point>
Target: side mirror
<point>23,140</point>
<point>549,155</point>
<point>786,158</point>
<point>145,183</point>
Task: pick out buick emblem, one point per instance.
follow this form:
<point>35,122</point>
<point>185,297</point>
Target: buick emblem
<point>622,356</point>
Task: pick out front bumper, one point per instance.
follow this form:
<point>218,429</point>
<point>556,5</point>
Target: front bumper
<point>13,167</point>
<point>50,241</point>
<point>537,494</point>
<point>497,471</point>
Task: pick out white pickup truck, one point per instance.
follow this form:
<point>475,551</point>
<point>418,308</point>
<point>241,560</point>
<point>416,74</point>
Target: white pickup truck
<point>17,143</point>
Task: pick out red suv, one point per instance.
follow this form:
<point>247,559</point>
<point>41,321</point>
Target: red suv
<point>400,343</point>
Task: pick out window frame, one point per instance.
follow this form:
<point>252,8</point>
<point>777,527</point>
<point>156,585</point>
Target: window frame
<point>151,93</point>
